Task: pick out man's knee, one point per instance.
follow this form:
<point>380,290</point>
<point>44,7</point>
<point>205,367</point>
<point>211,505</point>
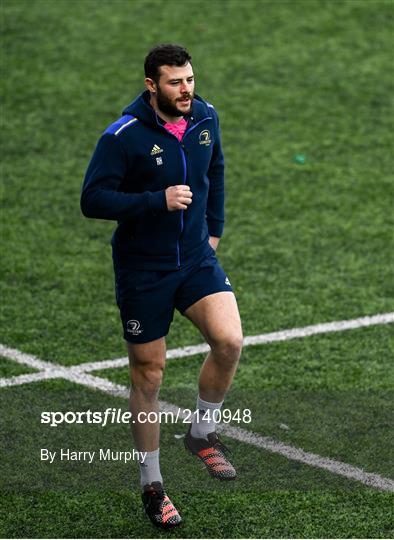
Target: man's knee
<point>146,368</point>
<point>228,348</point>
<point>147,379</point>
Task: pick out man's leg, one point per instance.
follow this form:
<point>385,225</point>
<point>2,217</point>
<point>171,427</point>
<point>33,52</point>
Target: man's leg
<point>217,317</point>
<point>147,361</point>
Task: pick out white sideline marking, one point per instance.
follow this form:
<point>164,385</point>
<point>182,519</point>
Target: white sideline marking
<point>17,380</point>
<point>266,443</point>
<point>78,375</point>
<point>283,335</point>
<point>314,460</point>
<point>23,358</point>
<point>324,328</point>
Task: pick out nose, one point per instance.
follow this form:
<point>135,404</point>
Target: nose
<point>185,87</point>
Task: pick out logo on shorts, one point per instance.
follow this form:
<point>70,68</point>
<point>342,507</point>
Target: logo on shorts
<point>133,327</point>
<point>227,281</point>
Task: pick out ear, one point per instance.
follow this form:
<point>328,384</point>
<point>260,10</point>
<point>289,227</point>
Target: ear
<point>150,85</point>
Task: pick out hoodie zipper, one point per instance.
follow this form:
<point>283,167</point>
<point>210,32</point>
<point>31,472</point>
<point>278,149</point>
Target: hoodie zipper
<point>183,155</point>
<point>181,148</point>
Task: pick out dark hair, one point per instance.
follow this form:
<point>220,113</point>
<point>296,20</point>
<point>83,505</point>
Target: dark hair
<point>164,55</point>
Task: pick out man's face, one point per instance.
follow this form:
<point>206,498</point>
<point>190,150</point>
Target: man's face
<point>175,90</point>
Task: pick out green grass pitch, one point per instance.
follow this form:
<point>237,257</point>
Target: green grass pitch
<point>306,241</point>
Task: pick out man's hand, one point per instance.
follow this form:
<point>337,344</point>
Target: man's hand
<point>178,197</point>
<point>214,242</point>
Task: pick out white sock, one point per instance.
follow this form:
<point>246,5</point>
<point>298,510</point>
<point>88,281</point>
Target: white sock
<point>150,468</point>
<point>205,423</point>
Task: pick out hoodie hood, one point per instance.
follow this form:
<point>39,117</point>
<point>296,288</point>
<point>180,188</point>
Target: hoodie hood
<point>140,108</point>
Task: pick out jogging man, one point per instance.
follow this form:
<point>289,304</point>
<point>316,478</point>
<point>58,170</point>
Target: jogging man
<point>159,172</point>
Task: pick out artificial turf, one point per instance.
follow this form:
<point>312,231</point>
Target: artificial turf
<point>306,241</point>
<point>272,497</point>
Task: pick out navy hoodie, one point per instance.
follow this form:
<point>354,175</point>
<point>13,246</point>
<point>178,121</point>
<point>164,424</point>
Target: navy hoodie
<point>134,162</point>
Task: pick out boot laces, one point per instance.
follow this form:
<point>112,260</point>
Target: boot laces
<point>217,443</point>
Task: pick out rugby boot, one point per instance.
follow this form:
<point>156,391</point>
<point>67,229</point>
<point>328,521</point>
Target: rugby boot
<point>158,506</point>
<point>212,454</point>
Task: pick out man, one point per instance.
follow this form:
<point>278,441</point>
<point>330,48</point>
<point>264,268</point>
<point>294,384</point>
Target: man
<point>159,171</point>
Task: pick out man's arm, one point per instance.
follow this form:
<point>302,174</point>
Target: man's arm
<point>215,204</point>
<point>100,197</point>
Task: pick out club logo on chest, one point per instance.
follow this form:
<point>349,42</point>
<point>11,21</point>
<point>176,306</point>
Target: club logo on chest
<point>205,137</point>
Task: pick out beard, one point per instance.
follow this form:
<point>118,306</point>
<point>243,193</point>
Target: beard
<point>169,107</point>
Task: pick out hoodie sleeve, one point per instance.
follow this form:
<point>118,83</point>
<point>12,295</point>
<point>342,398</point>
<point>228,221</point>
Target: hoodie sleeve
<point>215,204</point>
<point>101,198</point>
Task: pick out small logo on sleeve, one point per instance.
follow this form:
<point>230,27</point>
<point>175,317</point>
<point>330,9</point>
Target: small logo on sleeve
<point>227,281</point>
<point>133,327</point>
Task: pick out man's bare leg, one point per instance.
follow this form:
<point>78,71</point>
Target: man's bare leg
<point>147,361</point>
<point>217,318</point>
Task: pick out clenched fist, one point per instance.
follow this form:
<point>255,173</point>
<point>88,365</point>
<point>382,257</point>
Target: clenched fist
<point>178,197</point>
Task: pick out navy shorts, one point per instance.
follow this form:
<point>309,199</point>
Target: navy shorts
<point>147,298</point>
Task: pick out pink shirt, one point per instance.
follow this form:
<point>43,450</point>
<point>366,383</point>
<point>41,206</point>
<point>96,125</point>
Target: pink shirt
<point>177,129</point>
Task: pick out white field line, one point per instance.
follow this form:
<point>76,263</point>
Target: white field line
<point>17,380</point>
<point>51,370</point>
<point>266,443</point>
<point>23,358</point>
<point>283,335</point>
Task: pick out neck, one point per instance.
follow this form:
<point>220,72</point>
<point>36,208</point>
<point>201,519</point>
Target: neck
<point>164,116</point>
